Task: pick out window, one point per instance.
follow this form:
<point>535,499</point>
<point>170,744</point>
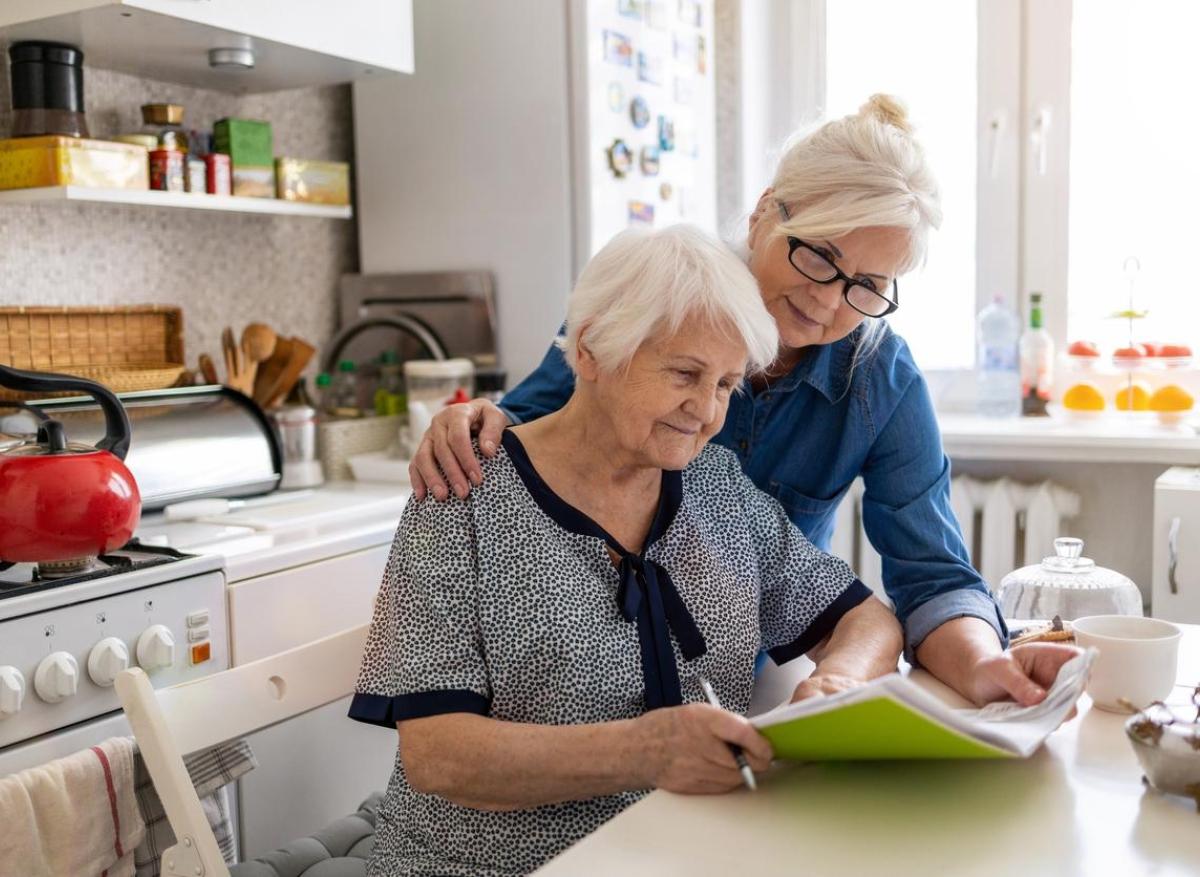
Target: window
<point>1134,182</point>
<point>884,46</point>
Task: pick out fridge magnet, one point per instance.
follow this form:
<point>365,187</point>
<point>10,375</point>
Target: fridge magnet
<point>701,55</point>
<point>649,68</point>
<point>639,112</point>
<point>685,90</point>
<point>616,96</point>
<point>641,213</point>
<point>618,49</point>
<point>650,161</point>
<point>691,12</point>
<point>666,134</point>
<point>630,8</point>
<point>683,49</point>
<point>620,157</point>
<point>656,14</point>
<point>665,191</point>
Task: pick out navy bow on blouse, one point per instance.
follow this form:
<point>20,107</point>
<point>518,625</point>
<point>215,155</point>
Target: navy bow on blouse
<point>648,597</point>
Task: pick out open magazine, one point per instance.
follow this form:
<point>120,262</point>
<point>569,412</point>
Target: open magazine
<point>894,718</point>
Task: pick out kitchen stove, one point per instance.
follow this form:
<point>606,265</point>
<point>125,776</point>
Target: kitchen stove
<point>63,641</point>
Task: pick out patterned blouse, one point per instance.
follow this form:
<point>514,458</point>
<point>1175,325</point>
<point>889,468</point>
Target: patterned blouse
<point>508,605</point>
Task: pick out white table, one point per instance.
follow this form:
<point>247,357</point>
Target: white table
<point>1076,807</point>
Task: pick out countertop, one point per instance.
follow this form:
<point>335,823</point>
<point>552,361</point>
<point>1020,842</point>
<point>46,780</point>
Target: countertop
<point>1076,807</point>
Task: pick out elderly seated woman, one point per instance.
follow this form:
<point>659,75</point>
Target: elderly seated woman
<point>540,644</point>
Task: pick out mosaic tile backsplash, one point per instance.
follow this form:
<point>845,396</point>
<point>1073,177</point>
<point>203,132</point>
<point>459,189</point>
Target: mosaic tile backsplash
<point>221,268</point>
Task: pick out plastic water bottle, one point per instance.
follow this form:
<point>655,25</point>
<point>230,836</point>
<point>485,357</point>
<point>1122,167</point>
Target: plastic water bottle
<point>998,370</point>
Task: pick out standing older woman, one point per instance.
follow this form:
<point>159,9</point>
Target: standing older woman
<point>849,211</point>
<point>540,643</point>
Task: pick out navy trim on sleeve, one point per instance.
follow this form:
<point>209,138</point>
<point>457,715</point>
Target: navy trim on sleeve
<point>822,624</point>
<point>376,709</point>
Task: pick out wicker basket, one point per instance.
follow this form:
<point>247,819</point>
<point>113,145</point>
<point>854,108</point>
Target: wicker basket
<point>125,348</point>
<point>338,440</point>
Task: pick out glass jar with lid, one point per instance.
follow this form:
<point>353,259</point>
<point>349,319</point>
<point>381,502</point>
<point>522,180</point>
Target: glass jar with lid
<point>1068,585</point>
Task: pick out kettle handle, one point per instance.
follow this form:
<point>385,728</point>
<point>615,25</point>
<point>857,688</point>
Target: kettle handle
<point>116,421</point>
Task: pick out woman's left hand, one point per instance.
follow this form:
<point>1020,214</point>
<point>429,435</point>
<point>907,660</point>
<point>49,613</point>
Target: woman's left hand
<point>1023,673</point>
<point>824,683</point>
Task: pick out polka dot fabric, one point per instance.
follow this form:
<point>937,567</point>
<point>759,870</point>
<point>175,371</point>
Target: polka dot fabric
<point>492,606</point>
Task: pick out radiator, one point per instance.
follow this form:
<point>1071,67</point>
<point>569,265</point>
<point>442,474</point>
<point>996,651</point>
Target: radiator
<point>1005,525</point>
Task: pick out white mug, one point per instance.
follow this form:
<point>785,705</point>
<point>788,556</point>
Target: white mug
<point>1137,662</point>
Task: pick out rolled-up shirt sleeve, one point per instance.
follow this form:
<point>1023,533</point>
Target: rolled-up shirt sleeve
<point>424,653</point>
<point>908,518</point>
<point>803,591</point>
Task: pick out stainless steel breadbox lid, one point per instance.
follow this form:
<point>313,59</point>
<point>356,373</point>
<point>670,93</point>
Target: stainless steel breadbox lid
<point>187,443</point>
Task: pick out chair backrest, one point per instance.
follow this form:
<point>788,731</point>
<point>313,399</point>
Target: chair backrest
<point>170,722</point>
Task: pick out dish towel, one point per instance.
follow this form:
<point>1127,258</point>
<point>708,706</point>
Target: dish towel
<point>210,771</point>
<point>73,817</point>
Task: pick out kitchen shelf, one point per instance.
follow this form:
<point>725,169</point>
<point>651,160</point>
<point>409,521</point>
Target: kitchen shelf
<point>971,437</point>
<point>182,200</point>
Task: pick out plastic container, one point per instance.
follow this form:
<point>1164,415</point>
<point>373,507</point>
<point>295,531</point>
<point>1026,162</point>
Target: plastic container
<point>1067,585</point>
<point>433,383</point>
<point>998,374</point>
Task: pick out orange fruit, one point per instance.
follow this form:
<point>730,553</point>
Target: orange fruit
<point>1172,397</point>
<point>1083,397</point>
<point>1134,397</point>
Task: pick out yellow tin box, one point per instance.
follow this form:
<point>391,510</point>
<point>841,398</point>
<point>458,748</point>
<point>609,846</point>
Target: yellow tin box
<point>33,162</point>
<point>317,182</point>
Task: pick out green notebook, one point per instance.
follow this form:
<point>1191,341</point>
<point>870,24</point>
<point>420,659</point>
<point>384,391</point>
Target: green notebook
<point>894,718</point>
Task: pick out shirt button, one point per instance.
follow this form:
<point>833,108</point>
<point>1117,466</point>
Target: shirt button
<point>743,444</point>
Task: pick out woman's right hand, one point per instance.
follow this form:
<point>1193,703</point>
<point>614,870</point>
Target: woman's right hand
<point>445,455</point>
<point>686,751</point>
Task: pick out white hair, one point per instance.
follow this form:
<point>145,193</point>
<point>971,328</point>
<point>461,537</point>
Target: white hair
<point>645,284</point>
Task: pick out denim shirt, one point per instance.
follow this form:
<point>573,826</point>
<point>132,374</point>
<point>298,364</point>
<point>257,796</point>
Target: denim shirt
<point>806,437</point>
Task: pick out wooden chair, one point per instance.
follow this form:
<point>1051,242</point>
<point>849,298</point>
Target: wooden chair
<point>169,722</point>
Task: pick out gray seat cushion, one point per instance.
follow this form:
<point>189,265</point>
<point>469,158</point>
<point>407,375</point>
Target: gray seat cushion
<point>340,849</point>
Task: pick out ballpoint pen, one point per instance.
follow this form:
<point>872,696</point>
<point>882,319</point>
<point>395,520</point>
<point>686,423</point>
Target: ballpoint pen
<point>743,765</point>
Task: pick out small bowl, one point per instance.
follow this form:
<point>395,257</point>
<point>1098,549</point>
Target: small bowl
<point>1168,752</point>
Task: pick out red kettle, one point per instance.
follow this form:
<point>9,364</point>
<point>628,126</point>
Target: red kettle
<point>59,500</point>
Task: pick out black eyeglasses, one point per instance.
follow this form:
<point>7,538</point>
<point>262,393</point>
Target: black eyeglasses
<point>817,265</point>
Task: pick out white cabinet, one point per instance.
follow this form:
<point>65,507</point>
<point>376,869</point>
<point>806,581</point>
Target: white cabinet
<point>296,43</point>
<point>1175,589</point>
<point>318,767</point>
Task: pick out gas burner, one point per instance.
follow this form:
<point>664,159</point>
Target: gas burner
<point>25,578</point>
<point>49,570</point>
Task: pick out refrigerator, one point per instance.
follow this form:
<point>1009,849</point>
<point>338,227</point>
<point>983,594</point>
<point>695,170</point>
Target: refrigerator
<point>530,133</point>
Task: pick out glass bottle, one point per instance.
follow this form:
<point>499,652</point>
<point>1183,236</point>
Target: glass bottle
<point>1037,362</point>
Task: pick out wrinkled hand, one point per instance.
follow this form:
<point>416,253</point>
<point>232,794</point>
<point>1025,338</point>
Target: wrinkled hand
<point>445,455</point>
<point>819,684</point>
<point>1023,673</point>
<point>684,747</point>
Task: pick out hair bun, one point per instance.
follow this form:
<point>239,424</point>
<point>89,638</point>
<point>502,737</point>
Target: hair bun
<point>887,110</point>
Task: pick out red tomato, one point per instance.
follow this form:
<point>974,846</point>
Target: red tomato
<point>1137,351</point>
<point>1083,348</point>
<point>1174,350</point>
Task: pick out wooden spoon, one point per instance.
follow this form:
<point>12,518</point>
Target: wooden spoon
<point>258,343</point>
<point>232,365</point>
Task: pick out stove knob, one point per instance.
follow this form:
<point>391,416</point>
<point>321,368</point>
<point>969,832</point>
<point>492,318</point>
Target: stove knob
<point>109,657</point>
<point>12,691</point>
<point>156,648</point>
<point>57,677</point>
